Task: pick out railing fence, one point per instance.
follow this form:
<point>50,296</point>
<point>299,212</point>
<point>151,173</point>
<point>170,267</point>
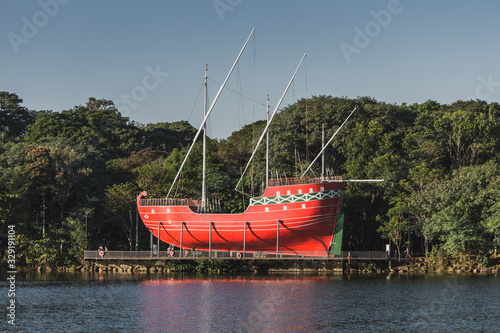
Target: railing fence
<point>231,255</point>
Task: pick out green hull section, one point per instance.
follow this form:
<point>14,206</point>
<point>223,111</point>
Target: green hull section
<point>337,236</point>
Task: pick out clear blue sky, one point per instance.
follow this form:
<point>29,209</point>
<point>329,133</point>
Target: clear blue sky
<point>55,54</point>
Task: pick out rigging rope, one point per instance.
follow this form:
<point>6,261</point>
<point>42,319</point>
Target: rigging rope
<point>233,91</point>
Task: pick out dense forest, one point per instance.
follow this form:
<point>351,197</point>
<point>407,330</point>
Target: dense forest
<point>69,180</point>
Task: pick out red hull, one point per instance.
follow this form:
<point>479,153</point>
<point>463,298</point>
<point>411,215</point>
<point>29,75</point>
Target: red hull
<point>306,213</point>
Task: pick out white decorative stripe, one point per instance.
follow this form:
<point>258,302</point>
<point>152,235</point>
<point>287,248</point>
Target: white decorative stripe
<point>295,198</point>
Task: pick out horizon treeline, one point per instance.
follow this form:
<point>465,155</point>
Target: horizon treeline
<point>69,180</point>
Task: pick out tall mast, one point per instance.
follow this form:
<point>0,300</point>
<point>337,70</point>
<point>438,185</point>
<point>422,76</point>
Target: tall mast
<point>323,153</point>
<point>210,111</point>
<point>270,119</point>
<point>204,176</point>
<point>267,144</point>
<point>329,141</point>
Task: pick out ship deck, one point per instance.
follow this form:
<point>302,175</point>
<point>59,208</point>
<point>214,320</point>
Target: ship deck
<point>196,204</point>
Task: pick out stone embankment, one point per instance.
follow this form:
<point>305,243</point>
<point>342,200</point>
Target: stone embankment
<point>421,265</point>
<point>407,266</point>
<point>429,265</point>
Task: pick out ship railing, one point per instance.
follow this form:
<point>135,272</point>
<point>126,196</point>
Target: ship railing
<point>303,180</point>
<point>233,254</point>
<point>196,204</point>
<point>169,202</point>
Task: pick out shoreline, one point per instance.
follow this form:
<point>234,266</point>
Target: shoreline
<point>28,276</point>
<point>416,266</point>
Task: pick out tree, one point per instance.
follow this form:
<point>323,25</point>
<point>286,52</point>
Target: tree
<point>422,143</point>
<point>14,118</point>
<point>491,213</point>
<point>419,180</point>
<point>396,225</point>
<point>119,205</point>
<point>74,229</point>
<point>16,200</point>
<point>458,209</point>
<point>369,155</point>
<point>70,169</point>
<point>167,136</point>
<point>97,124</point>
<point>470,136</point>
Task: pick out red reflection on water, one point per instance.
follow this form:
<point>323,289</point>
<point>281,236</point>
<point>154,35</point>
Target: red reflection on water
<point>238,278</point>
<point>231,304</point>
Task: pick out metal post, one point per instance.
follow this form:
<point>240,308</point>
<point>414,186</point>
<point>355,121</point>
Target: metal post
<point>409,240</point>
<point>245,240</point>
<point>158,253</point>
<point>390,250</point>
<point>136,229</point>
<point>182,230</point>
<point>210,241</point>
<point>86,224</point>
<point>277,238</point>
<point>150,242</point>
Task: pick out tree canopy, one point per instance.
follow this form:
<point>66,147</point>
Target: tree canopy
<point>62,173</point>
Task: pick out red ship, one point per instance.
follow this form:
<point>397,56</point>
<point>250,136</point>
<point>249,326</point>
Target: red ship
<point>295,215</point>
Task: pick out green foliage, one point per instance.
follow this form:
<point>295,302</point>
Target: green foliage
<point>119,207</point>
<point>470,136</point>
<point>75,229</point>
<point>98,124</point>
<point>439,258</point>
<point>41,252</point>
<point>14,118</point>
<point>459,209</point>
<point>396,224</point>
<point>214,266</point>
<point>440,164</point>
<point>490,214</point>
<point>180,266</point>
<point>167,136</point>
<point>371,267</point>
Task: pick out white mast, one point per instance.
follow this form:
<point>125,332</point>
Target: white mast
<point>267,145</point>
<point>210,111</point>
<point>334,134</point>
<point>323,153</point>
<point>269,122</point>
<point>204,176</point>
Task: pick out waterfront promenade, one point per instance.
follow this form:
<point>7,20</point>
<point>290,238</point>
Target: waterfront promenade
<point>232,255</point>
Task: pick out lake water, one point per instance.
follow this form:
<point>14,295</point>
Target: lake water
<point>93,302</point>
